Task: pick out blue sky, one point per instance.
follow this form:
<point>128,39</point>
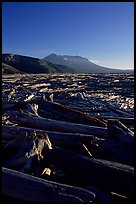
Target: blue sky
<point>100,31</point>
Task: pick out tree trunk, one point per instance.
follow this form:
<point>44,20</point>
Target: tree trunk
<point>27,120</point>
<point>106,175</point>
<point>29,188</point>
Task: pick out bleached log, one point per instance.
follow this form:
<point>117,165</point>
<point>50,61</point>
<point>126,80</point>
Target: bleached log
<point>27,120</point>
<point>29,98</point>
<point>29,188</point>
<point>103,174</point>
<point>16,105</point>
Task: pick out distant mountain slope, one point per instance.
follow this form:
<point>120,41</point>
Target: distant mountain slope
<point>56,64</point>
<point>33,65</point>
<point>7,69</point>
<point>81,64</point>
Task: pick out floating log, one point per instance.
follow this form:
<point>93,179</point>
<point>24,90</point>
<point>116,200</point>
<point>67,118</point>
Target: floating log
<point>102,174</point>
<point>27,120</point>
<point>29,188</point>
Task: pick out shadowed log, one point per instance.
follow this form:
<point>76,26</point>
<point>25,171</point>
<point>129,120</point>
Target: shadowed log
<point>120,132</point>
<point>29,188</point>
<point>110,149</point>
<point>106,175</point>
<point>28,151</point>
<point>56,138</point>
<point>8,106</point>
<point>27,120</point>
<point>115,150</point>
<point>125,120</point>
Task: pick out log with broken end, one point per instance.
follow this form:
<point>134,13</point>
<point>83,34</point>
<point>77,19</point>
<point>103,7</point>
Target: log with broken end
<point>29,188</point>
<point>26,153</point>
<point>16,105</point>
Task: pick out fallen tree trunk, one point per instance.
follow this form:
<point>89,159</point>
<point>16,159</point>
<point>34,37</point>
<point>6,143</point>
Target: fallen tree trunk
<point>27,120</point>
<point>57,138</point>
<point>60,112</point>
<point>115,117</point>
<point>106,175</point>
<point>29,188</point>
<point>117,110</point>
<point>124,120</point>
<point>116,151</point>
<point>110,149</point>
<point>120,132</point>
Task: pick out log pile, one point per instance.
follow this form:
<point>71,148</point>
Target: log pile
<point>52,152</point>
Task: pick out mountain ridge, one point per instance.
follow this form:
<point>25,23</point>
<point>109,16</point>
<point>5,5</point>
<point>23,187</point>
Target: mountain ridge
<point>82,64</point>
<point>54,63</point>
<point>33,65</point>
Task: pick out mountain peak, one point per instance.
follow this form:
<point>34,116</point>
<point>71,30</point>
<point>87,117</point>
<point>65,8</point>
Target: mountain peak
<point>81,64</point>
<point>52,54</point>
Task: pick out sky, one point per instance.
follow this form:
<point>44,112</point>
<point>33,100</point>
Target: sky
<point>103,32</point>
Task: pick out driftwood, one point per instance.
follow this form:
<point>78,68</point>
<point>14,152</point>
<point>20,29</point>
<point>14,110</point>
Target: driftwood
<point>110,149</point>
<point>16,105</point>
<point>103,174</point>
<point>55,111</point>
<point>125,120</point>
<point>26,151</point>
<point>117,110</point>
<point>120,132</point>
<point>27,120</point>
<point>102,197</point>
<point>51,141</point>
<point>57,138</point>
<point>129,119</point>
<point>29,188</point>
<point>60,112</point>
<point>115,150</point>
